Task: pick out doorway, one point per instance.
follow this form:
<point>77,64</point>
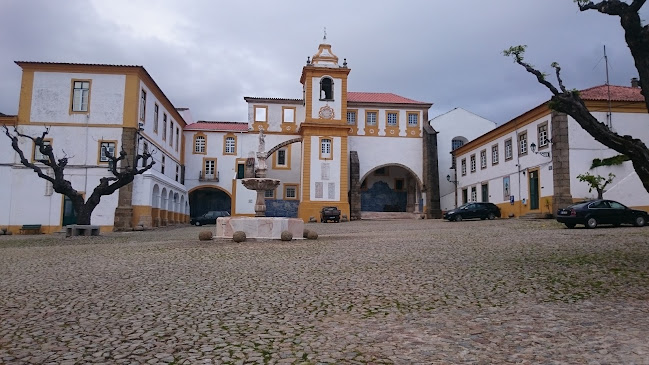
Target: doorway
<point>69,215</point>
<point>534,189</point>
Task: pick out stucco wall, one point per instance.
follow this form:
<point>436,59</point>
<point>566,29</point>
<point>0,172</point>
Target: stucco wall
<point>336,104</point>
<point>325,172</point>
<point>374,152</point>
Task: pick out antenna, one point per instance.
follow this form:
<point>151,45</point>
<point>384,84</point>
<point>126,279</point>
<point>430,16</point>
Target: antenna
<point>609,115</point>
<point>324,39</point>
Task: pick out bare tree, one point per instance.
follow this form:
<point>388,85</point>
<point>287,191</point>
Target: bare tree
<point>107,185</point>
<point>569,101</point>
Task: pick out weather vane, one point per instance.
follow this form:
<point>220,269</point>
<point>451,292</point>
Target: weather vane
<point>325,34</point>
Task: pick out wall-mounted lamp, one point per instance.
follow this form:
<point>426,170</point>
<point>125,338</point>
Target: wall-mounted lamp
<point>448,178</point>
<point>533,148</point>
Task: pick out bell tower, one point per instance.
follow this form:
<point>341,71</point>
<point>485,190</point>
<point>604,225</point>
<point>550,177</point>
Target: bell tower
<point>324,134</point>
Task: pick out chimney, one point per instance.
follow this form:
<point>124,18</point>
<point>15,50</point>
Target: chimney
<point>635,83</point>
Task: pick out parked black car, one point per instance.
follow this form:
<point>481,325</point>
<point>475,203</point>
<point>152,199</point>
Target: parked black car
<point>595,212</point>
<point>209,217</point>
<point>330,214</point>
<point>473,210</point>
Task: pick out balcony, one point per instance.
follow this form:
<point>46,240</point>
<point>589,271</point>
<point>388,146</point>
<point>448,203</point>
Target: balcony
<point>208,177</point>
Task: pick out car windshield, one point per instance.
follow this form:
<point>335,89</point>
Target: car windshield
<point>579,205</point>
<point>464,206</point>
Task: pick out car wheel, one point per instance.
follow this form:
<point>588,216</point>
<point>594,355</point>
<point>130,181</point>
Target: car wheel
<point>458,218</point>
<point>570,225</point>
<point>591,222</point>
<point>491,216</point>
<point>639,221</point>
<point>197,224</point>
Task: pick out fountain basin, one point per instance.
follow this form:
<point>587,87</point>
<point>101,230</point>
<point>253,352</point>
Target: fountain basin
<point>259,227</point>
<point>257,183</point>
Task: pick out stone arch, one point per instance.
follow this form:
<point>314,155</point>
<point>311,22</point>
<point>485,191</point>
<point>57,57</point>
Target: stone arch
<point>397,188</point>
<point>281,145</point>
<point>155,196</point>
<point>205,198</point>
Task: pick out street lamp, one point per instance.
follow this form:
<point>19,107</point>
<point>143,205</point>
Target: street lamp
<point>448,178</point>
<point>533,148</point>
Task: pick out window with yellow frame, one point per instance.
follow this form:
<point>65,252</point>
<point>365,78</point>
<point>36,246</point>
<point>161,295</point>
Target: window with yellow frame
<point>282,158</point>
<point>200,143</point>
<point>291,191</point>
<point>37,156</point>
<point>230,144</point>
<point>326,148</point>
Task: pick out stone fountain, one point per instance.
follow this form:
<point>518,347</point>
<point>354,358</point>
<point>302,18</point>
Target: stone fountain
<point>260,226</point>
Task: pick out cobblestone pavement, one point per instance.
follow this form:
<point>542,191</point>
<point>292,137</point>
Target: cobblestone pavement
<point>381,292</point>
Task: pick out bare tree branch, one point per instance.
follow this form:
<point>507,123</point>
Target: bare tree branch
<point>23,159</point>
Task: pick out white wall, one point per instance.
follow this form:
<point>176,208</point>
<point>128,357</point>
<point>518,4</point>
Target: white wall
<point>374,152</point>
<point>52,92</point>
<point>626,186</point>
<point>336,104</point>
<point>455,123</point>
<point>320,167</point>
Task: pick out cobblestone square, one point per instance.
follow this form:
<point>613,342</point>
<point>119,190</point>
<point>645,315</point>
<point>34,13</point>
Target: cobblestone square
<point>380,292</point>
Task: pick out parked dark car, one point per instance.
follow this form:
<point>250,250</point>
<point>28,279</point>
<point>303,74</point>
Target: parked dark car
<point>595,212</point>
<point>209,217</point>
<point>473,210</point>
<point>330,214</point>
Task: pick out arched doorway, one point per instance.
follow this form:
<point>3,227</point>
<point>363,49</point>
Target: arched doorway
<point>205,199</point>
<point>391,188</point>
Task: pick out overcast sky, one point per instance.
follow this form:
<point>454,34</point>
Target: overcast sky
<point>207,55</point>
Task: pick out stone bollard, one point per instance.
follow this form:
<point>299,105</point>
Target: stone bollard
<point>344,218</point>
<point>205,235</point>
<point>239,236</point>
<point>286,236</point>
<point>312,235</point>
<point>306,233</point>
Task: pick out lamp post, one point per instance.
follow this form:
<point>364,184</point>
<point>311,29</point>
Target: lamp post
<point>533,148</point>
<point>448,178</point>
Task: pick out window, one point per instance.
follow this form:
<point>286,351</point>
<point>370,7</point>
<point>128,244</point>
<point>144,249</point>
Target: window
<point>370,118</point>
<point>288,114</point>
<point>483,159</point>
<point>282,159</point>
<point>162,165</point>
<point>325,148</point>
<point>465,195</point>
<point>171,133</point>
<point>522,143</point>
<point>164,126</point>
<point>472,163</point>
<point>156,110</point>
<point>199,143</point>
<point>177,172</point>
<point>269,194</point>
<point>290,191</point>
<point>392,119</point>
<point>261,113</point>
<point>241,167</point>
<point>494,154</point>
<point>209,168</point>
<point>177,138</point>
<point>543,135</point>
<point>398,184</point>
<point>106,149</point>
<point>351,117</point>
<point>381,171</point>
<point>464,166</point>
<point>413,119</point>
<point>229,145</point>
<point>456,143</point>
<point>80,96</point>
<point>38,156</point>
<point>142,105</point>
<point>474,194</point>
<point>508,149</point>
<point>326,88</point>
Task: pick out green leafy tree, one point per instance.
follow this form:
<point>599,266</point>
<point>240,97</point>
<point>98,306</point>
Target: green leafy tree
<point>567,101</point>
<point>596,182</point>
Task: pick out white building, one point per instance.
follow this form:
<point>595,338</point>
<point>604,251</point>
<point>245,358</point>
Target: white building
<point>454,129</point>
<point>530,164</point>
<point>89,109</point>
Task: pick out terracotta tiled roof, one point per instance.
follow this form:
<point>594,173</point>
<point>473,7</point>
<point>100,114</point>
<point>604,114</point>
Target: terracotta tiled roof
<point>203,125</point>
<point>72,64</point>
<point>387,98</point>
<point>618,93</point>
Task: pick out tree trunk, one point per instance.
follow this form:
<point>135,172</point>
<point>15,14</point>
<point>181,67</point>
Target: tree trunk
<point>600,193</point>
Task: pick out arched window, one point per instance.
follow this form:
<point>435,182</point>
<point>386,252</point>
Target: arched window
<point>326,88</point>
<point>199,144</point>
<point>457,142</point>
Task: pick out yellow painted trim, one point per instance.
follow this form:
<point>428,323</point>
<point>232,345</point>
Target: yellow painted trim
<point>34,147</point>
<point>297,191</point>
<point>203,186</point>
<point>15,229</point>
<point>306,169</point>
<point>26,93</point>
<point>344,172</point>
<point>131,100</point>
<point>205,159</point>
<point>413,131</point>
<point>99,162</point>
<point>331,148</point>
<point>287,159</point>
<point>196,135</point>
<point>369,128</point>
<point>233,198</point>
<point>72,81</point>
<point>353,127</point>
<point>391,131</point>
<point>294,113</point>
<point>313,208</point>
<point>141,211</point>
<point>259,123</point>
<point>289,127</point>
<point>225,137</point>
